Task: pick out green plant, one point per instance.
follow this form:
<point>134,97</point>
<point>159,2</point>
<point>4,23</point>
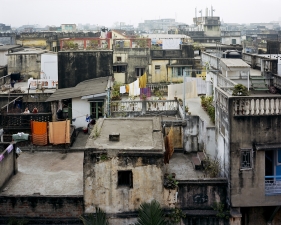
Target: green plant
<point>99,218</point>
<point>212,167</point>
<point>151,214</point>
<point>240,90</point>
<point>96,132</point>
<point>142,43</point>
<point>221,212</point>
<point>176,215</point>
<point>170,182</point>
<point>103,157</point>
<point>143,96</point>
<point>186,108</point>
<point>207,105</point>
<point>115,92</point>
<point>158,93</point>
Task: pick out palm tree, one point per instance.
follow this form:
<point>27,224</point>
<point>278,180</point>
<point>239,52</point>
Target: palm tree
<point>151,214</point>
<point>99,218</point>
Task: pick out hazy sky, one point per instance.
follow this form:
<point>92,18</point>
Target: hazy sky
<point>107,12</point>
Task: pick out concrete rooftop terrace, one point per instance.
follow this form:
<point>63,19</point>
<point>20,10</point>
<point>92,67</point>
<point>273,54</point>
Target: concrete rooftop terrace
<point>135,134</point>
<point>47,173</point>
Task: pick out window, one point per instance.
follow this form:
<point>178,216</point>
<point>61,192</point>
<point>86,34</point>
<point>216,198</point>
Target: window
<point>119,69</point>
<point>125,178</point>
<point>139,71</point>
<point>246,158</point>
<point>118,59</point>
<point>157,67</point>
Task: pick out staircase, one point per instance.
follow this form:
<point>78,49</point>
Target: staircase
<point>198,160</point>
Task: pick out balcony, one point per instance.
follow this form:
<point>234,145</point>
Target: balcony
<point>272,185</point>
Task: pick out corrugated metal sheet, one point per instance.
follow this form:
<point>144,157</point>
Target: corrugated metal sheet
<point>87,87</point>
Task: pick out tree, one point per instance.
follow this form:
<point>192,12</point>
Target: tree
<point>151,214</point>
<point>99,218</point>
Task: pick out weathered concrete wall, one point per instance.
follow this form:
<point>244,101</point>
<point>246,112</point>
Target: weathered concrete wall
<point>101,181</point>
<point>248,186</point>
<point>201,193</point>
<point>41,206</point>
<point>80,108</point>
<point>77,66</point>
<point>191,130</point>
<point>26,64</point>
<point>8,165</point>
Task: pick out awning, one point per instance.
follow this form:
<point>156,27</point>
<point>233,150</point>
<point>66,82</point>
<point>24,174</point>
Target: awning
<point>267,147</point>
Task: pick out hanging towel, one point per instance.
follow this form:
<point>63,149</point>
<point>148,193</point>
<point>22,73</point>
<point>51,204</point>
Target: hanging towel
<point>127,88</point>
<point>59,132</point>
<point>122,89</point>
<point>131,89</point>
<point>10,148</point>
<point>20,137</point>
<point>136,87</point>
<point>39,133</point>
<point>142,83</point>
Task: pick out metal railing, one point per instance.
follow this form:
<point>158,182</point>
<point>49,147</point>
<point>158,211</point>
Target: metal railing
<point>272,185</point>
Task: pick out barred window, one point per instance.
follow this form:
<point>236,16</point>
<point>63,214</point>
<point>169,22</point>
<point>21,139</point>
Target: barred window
<point>246,158</point>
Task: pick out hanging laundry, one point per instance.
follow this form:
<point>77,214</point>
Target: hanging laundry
<point>20,137</point>
<point>127,88</point>
<point>136,87</point>
<point>145,91</point>
<point>10,148</point>
<point>39,133</point>
<point>1,157</point>
<point>142,82</point>
<point>131,89</point>
<point>88,118</point>
<point>59,132</point>
<point>122,89</point>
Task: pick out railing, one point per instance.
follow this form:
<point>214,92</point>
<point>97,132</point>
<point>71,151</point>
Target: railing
<point>21,120</point>
<point>212,60</point>
<point>277,81</point>
<point>272,185</point>
<point>221,99</point>
<point>161,87</point>
<point>253,106</point>
<point>144,106</point>
<point>225,82</point>
<point>126,106</point>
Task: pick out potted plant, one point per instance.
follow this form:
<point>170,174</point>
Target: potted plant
<point>240,90</point>
<point>170,182</point>
<point>143,97</point>
<point>176,98</point>
<point>186,108</point>
<point>180,102</point>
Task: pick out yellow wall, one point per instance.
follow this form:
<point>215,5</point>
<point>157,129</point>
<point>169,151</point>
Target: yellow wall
<point>202,75</point>
<point>33,42</point>
<point>159,75</point>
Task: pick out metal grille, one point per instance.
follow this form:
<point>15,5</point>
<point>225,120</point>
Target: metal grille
<point>246,159</point>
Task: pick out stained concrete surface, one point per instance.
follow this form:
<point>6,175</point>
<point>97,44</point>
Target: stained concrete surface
<point>47,173</point>
<point>181,165</point>
<point>194,105</point>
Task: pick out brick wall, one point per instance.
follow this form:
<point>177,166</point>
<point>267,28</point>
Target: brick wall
<point>41,206</point>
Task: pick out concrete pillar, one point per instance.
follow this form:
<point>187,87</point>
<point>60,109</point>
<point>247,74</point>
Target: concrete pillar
<point>235,216</point>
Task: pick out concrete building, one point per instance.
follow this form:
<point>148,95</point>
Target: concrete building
<point>4,50</point>
<point>77,66</point>
<point>231,37</point>
<point>68,27</point>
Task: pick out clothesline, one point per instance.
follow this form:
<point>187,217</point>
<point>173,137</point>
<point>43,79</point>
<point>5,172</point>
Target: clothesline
<point>134,88</point>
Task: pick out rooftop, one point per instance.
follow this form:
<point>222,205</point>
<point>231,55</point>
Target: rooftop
<point>47,173</point>
<point>234,63</point>
<point>7,47</point>
<point>135,134</point>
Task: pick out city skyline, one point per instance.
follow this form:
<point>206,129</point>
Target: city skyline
<point>108,12</point>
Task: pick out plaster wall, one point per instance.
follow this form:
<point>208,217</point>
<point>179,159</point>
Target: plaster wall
<point>228,40</point>
<point>3,58</point>
<point>49,65</point>
<point>159,75</point>
<point>191,130</point>
<point>26,64</point>
<point>80,108</point>
<point>248,186</point>
<point>32,42</point>
<point>77,66</point>
<point>7,166</point>
<point>101,183</point>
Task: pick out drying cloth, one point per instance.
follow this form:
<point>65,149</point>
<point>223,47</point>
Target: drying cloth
<point>131,89</point>
<point>39,133</point>
<point>145,91</point>
<point>136,87</point>
<point>20,137</point>
<point>10,148</point>
<point>142,83</point>
<point>1,157</point>
<point>59,132</point>
<point>127,88</point>
<point>122,89</point>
